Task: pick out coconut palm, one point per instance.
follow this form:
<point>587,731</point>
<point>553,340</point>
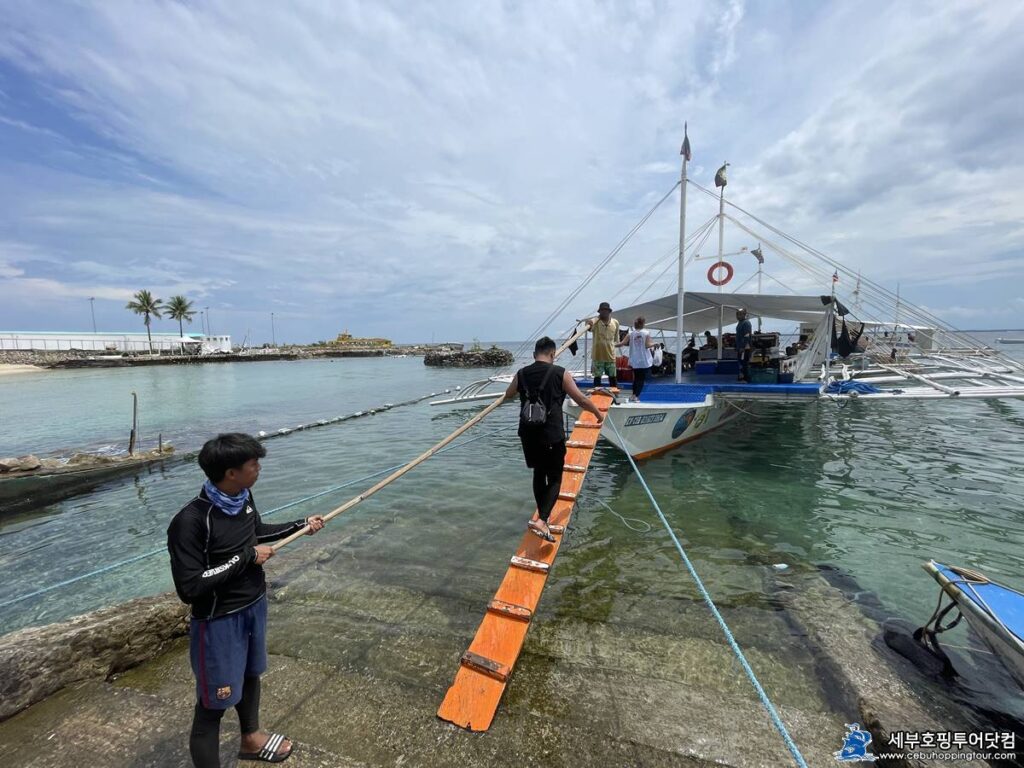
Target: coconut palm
<point>144,304</point>
<point>179,308</point>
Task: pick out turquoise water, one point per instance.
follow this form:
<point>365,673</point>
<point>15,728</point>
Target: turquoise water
<point>872,489</point>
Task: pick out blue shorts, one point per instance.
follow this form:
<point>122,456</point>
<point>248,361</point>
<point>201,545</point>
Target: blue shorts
<point>225,651</point>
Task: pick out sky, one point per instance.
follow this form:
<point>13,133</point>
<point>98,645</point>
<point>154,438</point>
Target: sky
<point>452,170</point>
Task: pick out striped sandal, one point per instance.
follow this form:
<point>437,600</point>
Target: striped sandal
<point>269,753</point>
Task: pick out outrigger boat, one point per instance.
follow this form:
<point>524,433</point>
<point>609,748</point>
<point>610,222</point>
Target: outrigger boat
<point>883,349</point>
<point>994,611</point>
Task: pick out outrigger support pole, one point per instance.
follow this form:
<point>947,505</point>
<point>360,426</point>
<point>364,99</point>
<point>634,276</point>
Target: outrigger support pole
<point>422,457</point>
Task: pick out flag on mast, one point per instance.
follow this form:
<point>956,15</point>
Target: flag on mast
<point>756,253</point>
<point>720,180</point>
<point>835,276</point>
<point>685,151</point>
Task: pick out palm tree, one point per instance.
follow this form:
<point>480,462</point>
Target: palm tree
<point>143,303</point>
<point>179,308</point>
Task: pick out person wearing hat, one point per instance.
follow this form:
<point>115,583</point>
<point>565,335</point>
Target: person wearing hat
<point>606,337</point>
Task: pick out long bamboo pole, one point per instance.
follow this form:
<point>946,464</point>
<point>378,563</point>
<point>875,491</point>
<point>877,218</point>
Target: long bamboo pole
<point>419,459</point>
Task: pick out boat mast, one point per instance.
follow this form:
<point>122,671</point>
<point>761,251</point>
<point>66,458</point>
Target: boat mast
<point>680,330</point>
<point>721,253</point>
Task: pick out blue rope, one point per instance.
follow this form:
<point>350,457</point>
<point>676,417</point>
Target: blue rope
<point>303,500</point>
<point>776,720</point>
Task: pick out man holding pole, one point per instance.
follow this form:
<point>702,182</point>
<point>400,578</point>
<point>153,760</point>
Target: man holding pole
<point>218,545</point>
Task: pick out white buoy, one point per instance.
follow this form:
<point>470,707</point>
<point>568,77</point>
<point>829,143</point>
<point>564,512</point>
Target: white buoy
<point>780,567</point>
<point>262,433</point>
<point>458,388</point>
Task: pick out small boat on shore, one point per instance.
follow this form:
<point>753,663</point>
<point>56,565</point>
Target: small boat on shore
<point>37,482</point>
<point>996,612</point>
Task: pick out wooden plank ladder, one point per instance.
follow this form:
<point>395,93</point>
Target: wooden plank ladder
<point>484,669</point>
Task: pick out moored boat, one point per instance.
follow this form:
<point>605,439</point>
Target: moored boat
<point>995,611</point>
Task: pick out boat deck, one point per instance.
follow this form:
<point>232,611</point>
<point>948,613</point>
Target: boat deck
<point>695,389</point>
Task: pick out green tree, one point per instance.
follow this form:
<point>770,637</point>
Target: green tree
<point>179,308</point>
<point>144,304</point>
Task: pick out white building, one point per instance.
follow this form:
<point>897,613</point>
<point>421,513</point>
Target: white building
<point>112,343</point>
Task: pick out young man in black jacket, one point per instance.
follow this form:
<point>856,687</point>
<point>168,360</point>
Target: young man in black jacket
<point>218,545</point>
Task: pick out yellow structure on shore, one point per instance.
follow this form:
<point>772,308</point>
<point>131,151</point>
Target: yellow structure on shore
<point>346,340</point>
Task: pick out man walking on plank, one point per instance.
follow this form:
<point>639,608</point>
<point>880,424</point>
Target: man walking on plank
<point>542,388</point>
<point>218,545</point>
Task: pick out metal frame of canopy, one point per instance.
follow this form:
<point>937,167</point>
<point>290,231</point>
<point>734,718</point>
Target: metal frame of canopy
<point>703,310</point>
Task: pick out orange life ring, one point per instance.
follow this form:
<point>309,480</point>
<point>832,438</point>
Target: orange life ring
<point>728,273</point>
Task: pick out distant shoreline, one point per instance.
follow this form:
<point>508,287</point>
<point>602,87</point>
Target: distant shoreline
<point>15,369</point>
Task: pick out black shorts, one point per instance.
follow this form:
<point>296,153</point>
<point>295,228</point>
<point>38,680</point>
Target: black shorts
<point>543,455</point>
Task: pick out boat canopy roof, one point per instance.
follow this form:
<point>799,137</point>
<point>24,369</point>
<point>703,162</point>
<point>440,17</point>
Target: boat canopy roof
<point>702,309</point>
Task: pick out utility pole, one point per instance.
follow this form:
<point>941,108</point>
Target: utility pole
<point>209,325</point>
<point>273,335</point>
<point>92,309</point>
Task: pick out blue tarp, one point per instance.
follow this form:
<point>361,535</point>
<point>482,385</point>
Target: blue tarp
<point>851,386</point>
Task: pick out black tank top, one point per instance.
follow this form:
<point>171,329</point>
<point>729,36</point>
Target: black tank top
<point>553,395</point>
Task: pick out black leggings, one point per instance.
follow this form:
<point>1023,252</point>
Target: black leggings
<point>547,461</point>
<point>639,380</point>
<point>204,741</point>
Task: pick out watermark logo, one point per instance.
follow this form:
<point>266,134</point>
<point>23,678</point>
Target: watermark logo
<point>855,746</point>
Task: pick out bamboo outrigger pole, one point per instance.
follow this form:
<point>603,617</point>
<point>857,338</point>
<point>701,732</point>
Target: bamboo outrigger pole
<point>419,459</point>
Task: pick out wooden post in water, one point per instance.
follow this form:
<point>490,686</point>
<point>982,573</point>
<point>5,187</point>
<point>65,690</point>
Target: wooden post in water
<point>135,424</point>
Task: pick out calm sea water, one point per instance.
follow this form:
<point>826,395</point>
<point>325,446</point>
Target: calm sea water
<point>873,489</point>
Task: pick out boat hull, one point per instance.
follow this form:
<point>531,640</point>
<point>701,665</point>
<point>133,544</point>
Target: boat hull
<point>997,636</point>
<point>644,430</point>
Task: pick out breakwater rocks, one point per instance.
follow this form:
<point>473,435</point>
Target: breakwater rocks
<point>38,661</point>
<point>485,358</point>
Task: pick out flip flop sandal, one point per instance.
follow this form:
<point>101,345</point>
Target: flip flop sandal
<point>538,532</point>
<point>268,754</point>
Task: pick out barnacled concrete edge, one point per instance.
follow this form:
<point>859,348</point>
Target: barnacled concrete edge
<point>38,661</point>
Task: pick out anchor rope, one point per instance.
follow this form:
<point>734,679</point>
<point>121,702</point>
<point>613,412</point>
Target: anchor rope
<point>772,713</point>
<point>289,505</point>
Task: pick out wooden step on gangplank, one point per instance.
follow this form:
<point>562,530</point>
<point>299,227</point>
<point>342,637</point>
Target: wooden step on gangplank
<point>484,669</point>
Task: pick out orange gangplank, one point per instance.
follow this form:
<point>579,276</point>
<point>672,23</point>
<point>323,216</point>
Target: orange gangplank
<point>484,669</point>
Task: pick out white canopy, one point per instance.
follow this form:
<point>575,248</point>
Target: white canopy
<point>701,310</point>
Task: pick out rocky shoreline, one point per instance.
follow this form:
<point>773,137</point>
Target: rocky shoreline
<point>495,357</point>
<point>78,358</point>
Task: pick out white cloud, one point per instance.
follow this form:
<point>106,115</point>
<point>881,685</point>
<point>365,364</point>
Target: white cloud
<point>478,159</point>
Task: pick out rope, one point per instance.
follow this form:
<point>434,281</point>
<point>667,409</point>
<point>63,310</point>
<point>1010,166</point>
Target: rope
<point>625,520</point>
<point>289,505</point>
<point>772,713</point>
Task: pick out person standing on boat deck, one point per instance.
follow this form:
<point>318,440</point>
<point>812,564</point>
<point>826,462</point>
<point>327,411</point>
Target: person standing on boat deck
<point>543,438</point>
<point>744,344</point>
<point>218,545</point>
<point>640,345</point>
<point>606,337</point>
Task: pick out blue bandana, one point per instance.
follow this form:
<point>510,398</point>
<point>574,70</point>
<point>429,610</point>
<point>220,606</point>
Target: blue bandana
<point>229,505</point>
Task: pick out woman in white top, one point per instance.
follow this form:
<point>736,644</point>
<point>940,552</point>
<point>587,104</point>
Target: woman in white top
<point>640,345</point>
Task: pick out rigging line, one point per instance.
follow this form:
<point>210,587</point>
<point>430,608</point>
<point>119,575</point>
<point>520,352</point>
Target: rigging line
<point>772,713</point>
<point>705,231</point>
<point>673,255</point>
<point>597,269</point>
<point>303,500</point>
<point>921,312</point>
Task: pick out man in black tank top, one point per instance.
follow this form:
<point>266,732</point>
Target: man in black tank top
<point>543,438</point>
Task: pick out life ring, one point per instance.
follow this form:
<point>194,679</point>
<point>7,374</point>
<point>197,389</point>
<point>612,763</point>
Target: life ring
<point>728,273</point>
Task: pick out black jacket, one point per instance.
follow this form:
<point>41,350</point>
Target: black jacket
<point>213,556</point>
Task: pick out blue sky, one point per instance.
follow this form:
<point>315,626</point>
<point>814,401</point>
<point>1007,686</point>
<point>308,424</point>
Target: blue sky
<point>451,170</point>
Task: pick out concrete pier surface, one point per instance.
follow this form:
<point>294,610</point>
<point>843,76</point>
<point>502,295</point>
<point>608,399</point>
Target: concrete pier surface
<point>364,645</point>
